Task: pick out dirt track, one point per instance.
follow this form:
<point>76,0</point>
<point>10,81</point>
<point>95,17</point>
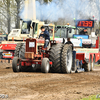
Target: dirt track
<point>39,86</point>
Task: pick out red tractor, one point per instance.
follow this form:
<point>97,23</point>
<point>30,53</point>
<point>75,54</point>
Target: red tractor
<point>55,58</point>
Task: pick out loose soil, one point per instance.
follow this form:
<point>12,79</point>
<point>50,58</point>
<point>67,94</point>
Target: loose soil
<point>51,86</point>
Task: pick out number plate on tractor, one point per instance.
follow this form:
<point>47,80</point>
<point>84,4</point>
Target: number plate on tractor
<point>7,54</point>
<point>31,44</point>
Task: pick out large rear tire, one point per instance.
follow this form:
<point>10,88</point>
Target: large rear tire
<point>66,59</point>
<point>93,63</point>
<point>16,65</point>
<point>22,52</point>
<point>55,57</point>
<point>74,66</point>
<point>45,66</point>
<point>17,49</point>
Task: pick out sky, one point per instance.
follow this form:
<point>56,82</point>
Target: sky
<point>62,9</point>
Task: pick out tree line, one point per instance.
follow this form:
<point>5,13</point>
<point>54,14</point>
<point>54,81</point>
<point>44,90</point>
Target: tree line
<point>10,9</point>
<point>9,14</point>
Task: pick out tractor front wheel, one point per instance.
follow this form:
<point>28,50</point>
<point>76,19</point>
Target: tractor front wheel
<point>16,66</point>
<point>45,66</point>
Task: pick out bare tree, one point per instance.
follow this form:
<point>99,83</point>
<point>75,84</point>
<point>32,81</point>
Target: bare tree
<point>8,15</point>
<point>18,6</point>
<point>5,12</point>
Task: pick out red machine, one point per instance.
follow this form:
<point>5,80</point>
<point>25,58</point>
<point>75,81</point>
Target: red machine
<point>33,54</point>
<point>8,49</point>
<point>89,52</point>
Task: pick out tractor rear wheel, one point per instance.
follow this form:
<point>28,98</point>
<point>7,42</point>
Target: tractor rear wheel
<point>45,66</point>
<point>74,66</point>
<point>16,66</point>
<point>66,59</point>
<point>55,57</point>
<point>17,49</point>
<point>93,63</point>
<point>22,52</point>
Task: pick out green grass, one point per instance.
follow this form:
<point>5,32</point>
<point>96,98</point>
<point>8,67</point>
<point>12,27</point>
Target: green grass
<point>96,65</point>
<point>91,98</point>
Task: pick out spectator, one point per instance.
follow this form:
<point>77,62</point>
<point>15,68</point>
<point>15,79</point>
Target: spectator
<point>84,32</point>
<point>69,42</point>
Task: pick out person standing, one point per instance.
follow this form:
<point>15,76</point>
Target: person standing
<point>69,42</point>
<point>84,32</point>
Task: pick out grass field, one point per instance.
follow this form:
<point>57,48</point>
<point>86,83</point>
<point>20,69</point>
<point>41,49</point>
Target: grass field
<point>92,98</point>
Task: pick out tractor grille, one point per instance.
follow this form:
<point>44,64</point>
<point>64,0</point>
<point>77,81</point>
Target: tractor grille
<point>31,45</point>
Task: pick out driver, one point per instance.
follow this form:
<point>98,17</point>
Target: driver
<point>45,34</point>
<point>69,42</point>
<point>84,32</point>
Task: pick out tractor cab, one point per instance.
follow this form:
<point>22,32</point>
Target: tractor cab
<point>28,29</point>
<point>64,32</point>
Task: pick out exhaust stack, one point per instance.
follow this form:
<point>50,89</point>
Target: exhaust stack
<point>34,10</point>
<point>27,8</point>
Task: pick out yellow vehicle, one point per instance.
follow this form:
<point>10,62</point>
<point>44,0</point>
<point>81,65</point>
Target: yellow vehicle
<point>28,29</point>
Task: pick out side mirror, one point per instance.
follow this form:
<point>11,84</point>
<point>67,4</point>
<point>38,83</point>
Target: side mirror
<point>58,27</point>
<point>70,30</point>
